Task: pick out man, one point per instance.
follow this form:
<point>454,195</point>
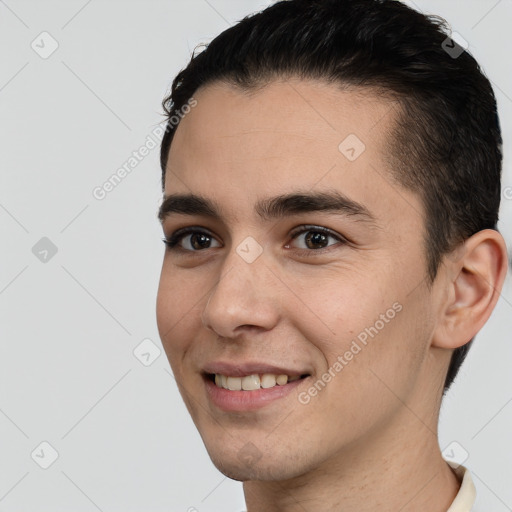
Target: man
<point>330,208</point>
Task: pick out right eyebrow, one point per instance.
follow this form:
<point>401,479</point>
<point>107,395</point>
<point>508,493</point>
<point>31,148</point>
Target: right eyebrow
<point>270,208</point>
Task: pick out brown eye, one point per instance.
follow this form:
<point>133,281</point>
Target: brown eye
<point>193,240</point>
<point>316,238</point>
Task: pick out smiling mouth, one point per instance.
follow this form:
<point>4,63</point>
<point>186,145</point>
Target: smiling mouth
<point>252,382</point>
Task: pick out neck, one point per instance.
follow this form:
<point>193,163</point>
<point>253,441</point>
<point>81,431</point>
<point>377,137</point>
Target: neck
<point>398,467</point>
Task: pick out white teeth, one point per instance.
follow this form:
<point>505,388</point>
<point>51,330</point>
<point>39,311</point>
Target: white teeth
<point>268,380</point>
<point>234,383</point>
<point>253,382</point>
<point>282,379</point>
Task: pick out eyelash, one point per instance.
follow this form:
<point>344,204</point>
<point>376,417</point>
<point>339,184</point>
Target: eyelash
<point>173,241</point>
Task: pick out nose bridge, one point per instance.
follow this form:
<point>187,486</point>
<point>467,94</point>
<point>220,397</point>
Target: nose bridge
<point>243,294</point>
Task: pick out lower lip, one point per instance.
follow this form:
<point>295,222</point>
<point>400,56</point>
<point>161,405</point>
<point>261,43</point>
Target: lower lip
<point>248,400</point>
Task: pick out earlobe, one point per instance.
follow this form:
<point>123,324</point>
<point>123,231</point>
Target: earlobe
<point>477,276</point>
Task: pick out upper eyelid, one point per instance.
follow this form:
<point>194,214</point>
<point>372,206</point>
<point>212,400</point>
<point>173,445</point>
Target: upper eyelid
<point>181,233</point>
<point>311,227</point>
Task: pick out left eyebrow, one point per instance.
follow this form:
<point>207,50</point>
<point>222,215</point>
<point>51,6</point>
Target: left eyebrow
<point>271,208</point>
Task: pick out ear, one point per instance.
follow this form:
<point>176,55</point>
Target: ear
<point>475,274</point>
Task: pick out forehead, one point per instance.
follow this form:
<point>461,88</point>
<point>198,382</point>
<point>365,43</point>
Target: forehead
<point>286,110</point>
<point>238,145</point>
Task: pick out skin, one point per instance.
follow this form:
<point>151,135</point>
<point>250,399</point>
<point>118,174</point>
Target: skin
<point>369,438</point>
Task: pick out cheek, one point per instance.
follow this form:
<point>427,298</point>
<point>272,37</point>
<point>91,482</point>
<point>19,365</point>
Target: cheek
<point>165,305</point>
<point>367,323</point>
<point>383,341</point>
<point>333,310</point>
<point>174,311</point>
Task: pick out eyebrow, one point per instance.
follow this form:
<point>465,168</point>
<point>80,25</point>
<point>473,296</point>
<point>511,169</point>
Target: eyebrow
<point>271,208</point>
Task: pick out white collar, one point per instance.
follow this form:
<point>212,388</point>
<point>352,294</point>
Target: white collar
<point>465,498</point>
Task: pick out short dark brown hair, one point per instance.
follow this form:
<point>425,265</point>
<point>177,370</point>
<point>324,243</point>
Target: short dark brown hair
<point>446,144</point>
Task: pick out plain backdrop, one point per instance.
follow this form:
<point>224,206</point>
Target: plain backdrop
<point>82,369</point>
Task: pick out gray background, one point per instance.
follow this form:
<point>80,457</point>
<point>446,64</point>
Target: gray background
<point>70,321</point>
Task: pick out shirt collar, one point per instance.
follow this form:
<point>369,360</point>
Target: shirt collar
<point>465,498</point>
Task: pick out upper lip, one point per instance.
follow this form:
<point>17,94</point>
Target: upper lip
<point>243,369</point>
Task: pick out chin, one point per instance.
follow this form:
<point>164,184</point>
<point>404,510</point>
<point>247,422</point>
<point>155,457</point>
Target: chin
<point>247,465</point>
<point>237,473</point>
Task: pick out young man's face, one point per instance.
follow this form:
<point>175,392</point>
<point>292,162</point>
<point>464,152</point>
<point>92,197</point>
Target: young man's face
<point>256,294</point>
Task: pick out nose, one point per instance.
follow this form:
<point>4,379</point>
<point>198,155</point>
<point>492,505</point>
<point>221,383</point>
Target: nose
<point>245,297</point>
